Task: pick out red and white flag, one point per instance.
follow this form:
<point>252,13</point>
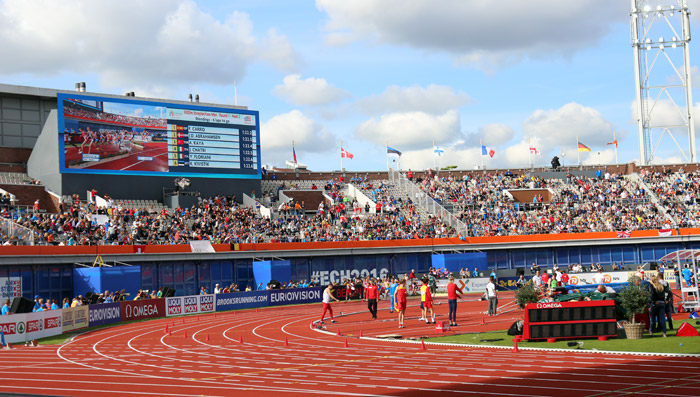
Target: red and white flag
<point>345,154</point>
<point>665,232</point>
<point>533,150</point>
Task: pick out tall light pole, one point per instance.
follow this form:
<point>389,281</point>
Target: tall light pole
<point>660,41</point>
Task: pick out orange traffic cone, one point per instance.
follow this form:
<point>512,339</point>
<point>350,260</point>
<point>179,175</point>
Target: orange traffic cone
<point>256,309</point>
<point>183,320</point>
<point>360,333</point>
<point>515,346</point>
<point>337,332</point>
<point>166,328</point>
<point>422,345</point>
<point>346,342</point>
<point>234,313</point>
<point>240,339</point>
<point>286,342</point>
<point>207,338</point>
<point>169,334</point>
<point>214,315</point>
<point>197,318</point>
<point>184,335</point>
<point>483,321</point>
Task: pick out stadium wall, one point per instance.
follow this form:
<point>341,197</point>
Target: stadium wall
<point>47,271</point>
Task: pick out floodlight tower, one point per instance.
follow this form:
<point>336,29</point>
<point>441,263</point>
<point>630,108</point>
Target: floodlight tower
<point>660,41</point>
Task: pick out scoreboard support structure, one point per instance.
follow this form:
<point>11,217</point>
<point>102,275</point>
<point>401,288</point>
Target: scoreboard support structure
<point>568,320</point>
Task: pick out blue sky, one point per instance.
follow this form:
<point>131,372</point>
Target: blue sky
<point>365,72</point>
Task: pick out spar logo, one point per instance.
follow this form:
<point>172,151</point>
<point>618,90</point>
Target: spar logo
<point>206,303</point>
<point>35,326</point>
<point>8,328</point>
<point>20,327</point>
<point>174,306</point>
<point>52,322</point>
<point>191,305</point>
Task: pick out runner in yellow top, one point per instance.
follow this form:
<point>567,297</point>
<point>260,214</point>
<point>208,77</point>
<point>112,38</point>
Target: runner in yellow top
<point>422,301</point>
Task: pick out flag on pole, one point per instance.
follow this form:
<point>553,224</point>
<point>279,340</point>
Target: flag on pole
<point>613,143</point>
<point>485,151</point>
<point>583,148</point>
<point>533,150</point>
<point>438,151</point>
<point>294,152</point>
<point>345,154</point>
<point>391,150</point>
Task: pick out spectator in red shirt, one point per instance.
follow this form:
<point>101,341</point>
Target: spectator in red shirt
<point>453,292</point>
<point>372,296</point>
<point>545,279</point>
<point>564,278</point>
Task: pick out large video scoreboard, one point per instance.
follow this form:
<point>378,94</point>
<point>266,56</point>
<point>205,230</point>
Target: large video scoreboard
<point>102,135</point>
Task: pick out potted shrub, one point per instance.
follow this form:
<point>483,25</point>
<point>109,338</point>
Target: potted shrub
<point>527,294</point>
<point>635,300</point>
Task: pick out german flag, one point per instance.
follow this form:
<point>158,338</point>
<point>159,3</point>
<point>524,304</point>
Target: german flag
<point>583,148</point>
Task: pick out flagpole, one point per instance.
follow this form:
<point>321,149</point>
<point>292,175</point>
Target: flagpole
<point>387,155</point>
<point>529,151</point>
<point>578,152</point>
<point>434,158</point>
<point>341,155</point>
<point>295,156</point>
<point>615,140</point>
<point>481,151</point>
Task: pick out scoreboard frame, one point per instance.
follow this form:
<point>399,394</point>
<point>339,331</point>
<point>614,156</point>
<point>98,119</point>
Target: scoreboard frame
<point>566,320</point>
<point>232,173</point>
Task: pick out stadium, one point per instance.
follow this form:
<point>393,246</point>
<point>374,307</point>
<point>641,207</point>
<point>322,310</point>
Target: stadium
<point>148,234</point>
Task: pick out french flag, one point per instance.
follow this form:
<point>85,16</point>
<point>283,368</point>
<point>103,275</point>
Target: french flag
<point>487,151</point>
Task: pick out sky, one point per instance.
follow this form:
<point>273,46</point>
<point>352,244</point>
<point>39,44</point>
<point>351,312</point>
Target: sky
<point>412,74</point>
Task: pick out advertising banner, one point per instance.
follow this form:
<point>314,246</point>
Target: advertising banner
<point>10,287</point>
<point>590,278</point>
<point>177,306</point>
<point>75,318</point>
<point>325,277</point>
<point>27,326</point>
<point>104,313</point>
<point>295,296</point>
<point>342,292</point>
<point>146,308</point>
<point>468,285</point>
<point>242,300</point>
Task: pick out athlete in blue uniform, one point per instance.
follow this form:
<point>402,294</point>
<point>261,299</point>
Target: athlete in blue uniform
<point>392,290</point>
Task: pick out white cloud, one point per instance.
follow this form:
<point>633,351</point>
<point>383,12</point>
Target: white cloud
<point>476,31</point>
<point>495,134</point>
<point>308,92</point>
<point>558,129</point>
<point>434,99</point>
<point>149,44</point>
<point>277,134</point>
<point>411,130</point>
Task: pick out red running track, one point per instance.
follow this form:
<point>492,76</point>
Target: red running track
<point>142,359</point>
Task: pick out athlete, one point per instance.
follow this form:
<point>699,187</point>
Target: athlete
<point>399,297</point>
<point>372,296</point>
<point>428,303</point>
<point>423,288</point>
<point>453,292</point>
<point>392,290</point>
<point>327,296</point>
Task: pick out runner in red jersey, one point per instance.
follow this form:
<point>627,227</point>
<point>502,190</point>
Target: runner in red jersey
<point>428,304</point>
<point>400,299</point>
<point>372,296</point>
<point>453,292</point>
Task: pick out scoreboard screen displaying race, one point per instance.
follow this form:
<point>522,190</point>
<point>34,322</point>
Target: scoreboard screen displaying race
<point>115,136</point>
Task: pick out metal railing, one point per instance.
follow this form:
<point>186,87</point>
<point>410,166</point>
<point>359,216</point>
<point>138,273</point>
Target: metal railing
<point>15,232</point>
<point>422,199</point>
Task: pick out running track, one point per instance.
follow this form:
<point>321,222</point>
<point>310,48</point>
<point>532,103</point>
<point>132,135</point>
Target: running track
<point>142,359</point>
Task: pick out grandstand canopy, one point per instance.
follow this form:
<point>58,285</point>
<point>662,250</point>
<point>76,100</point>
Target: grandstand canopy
<point>683,255</point>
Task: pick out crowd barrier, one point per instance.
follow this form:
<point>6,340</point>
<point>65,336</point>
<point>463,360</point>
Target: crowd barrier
<point>19,328</point>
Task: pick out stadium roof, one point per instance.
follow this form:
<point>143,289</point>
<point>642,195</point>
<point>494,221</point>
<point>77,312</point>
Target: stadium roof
<point>683,255</point>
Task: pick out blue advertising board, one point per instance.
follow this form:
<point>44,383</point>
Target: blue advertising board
<point>104,313</point>
<point>242,300</point>
<point>295,296</point>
